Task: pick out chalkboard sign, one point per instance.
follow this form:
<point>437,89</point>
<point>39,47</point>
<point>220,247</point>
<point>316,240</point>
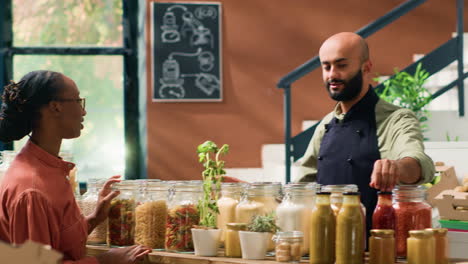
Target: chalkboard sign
<point>186,48</point>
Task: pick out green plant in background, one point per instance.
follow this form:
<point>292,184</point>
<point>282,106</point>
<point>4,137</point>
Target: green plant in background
<point>408,91</point>
<point>263,223</point>
<point>212,178</point>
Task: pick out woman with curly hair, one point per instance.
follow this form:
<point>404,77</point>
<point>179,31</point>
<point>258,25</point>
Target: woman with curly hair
<point>36,199</point>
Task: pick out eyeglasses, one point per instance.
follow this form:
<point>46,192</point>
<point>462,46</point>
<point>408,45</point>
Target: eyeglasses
<point>81,101</point>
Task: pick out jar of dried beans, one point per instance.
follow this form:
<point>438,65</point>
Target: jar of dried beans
<point>88,206</point>
<point>412,212</point>
<point>182,215</point>
<point>121,222</point>
<point>150,215</point>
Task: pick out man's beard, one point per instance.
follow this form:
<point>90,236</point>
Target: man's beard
<point>351,88</point>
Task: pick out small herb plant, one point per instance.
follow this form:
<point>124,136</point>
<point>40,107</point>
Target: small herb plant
<point>408,91</point>
<point>263,223</point>
<point>209,155</point>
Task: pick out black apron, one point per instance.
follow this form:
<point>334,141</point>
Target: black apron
<point>349,149</point>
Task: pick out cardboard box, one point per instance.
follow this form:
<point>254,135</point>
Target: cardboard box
<point>448,181</point>
<point>447,202</point>
<point>29,253</point>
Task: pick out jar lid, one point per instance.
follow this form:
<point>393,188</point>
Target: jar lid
<point>288,234</point>
<point>324,193</point>
<point>382,232</point>
<point>438,231</point>
<point>351,193</point>
<point>421,233</point>
<point>237,226</point>
<point>384,193</point>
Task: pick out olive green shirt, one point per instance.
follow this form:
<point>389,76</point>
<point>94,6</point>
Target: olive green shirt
<point>398,136</point>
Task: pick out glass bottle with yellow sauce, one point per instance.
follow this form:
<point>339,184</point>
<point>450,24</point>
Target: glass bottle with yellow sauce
<point>441,245</point>
<point>322,231</point>
<point>421,247</point>
<point>232,242</point>
<point>350,231</point>
<point>382,246</point>
<point>230,197</point>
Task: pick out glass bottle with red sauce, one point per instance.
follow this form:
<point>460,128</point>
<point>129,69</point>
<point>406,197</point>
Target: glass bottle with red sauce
<point>412,212</point>
<point>384,213</point>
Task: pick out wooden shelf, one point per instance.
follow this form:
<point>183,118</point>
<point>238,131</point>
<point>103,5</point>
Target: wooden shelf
<point>178,258</point>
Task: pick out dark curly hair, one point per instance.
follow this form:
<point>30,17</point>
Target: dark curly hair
<point>22,101</point>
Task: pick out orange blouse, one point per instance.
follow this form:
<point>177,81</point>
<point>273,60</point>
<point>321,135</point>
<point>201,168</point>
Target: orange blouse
<point>37,203</point>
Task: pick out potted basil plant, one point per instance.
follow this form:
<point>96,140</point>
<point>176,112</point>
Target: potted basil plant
<point>206,236</point>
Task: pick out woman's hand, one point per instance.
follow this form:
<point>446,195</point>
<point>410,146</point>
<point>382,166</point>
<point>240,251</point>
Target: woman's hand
<point>103,204</point>
<point>127,255</point>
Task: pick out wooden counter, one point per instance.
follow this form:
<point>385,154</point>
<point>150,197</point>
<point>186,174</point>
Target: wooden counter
<point>178,258</point>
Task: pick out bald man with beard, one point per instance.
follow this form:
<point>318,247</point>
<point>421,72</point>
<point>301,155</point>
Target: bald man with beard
<point>364,140</point>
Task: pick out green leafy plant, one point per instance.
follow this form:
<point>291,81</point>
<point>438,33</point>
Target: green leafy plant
<point>263,223</point>
<point>209,155</point>
<point>408,91</point>
<point>447,136</point>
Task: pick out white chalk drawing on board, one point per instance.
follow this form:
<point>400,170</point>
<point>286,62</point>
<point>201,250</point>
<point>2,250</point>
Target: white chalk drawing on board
<point>172,80</point>
<point>206,12</point>
<point>199,34</point>
<point>206,60</point>
<point>207,83</point>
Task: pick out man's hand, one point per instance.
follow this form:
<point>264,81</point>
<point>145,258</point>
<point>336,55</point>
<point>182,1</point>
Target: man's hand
<point>127,255</point>
<point>385,175</point>
<point>103,204</point>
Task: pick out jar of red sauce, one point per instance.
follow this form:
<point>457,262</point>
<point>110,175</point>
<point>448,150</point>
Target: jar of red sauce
<point>384,213</point>
<point>412,212</point>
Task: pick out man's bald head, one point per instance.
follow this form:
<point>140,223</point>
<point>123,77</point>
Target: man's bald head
<point>348,42</point>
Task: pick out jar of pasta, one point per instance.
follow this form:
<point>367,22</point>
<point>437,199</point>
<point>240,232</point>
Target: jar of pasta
<point>121,221</point>
<point>294,212</point>
<point>182,215</point>
<point>412,212</point>
<point>150,215</point>
<point>88,205</point>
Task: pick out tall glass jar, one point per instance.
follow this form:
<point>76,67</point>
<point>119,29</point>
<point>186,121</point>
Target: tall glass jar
<point>421,247</point>
<point>350,231</point>
<point>412,212</point>
<point>121,223</point>
<point>382,246</point>
<point>260,199</point>
<point>293,214</point>
<point>230,197</point>
<point>182,216</point>
<point>7,157</point>
<point>384,213</point>
<point>232,242</point>
<point>322,231</point>
<point>441,245</point>
<point>88,205</point>
<point>151,214</point>
<point>337,191</point>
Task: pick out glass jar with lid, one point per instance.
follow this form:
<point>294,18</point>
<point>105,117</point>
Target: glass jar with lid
<point>230,197</point>
<point>412,212</point>
<point>182,215</point>
<point>421,247</point>
<point>382,246</point>
<point>232,243</point>
<point>441,245</point>
<point>288,246</point>
<point>150,215</point>
<point>88,205</point>
<point>384,213</point>
<point>293,214</point>
<point>322,231</point>
<point>7,156</point>
<point>121,221</point>
<point>259,199</point>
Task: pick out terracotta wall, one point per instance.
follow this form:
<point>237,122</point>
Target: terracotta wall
<point>262,41</point>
